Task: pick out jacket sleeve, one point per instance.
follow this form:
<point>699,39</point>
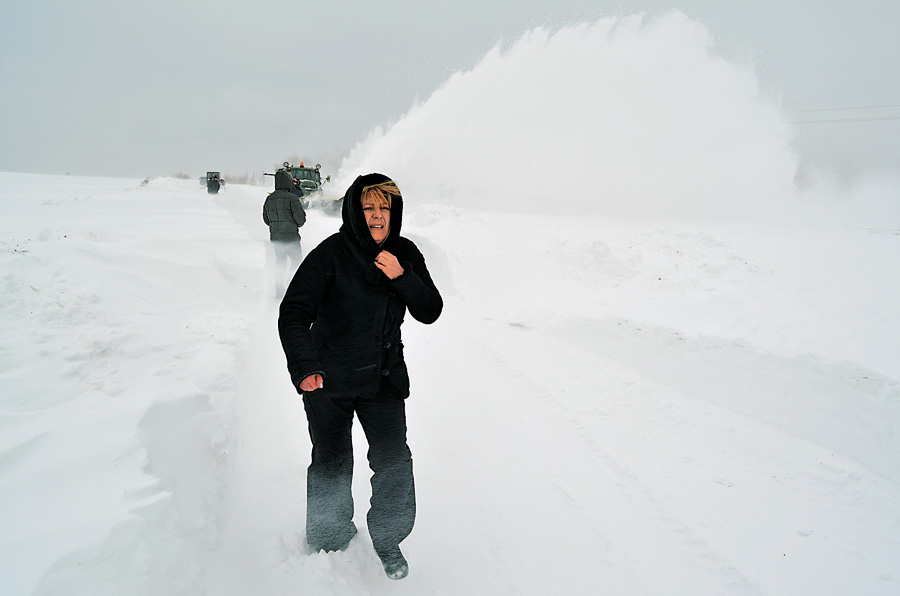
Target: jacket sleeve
<point>298,311</point>
<point>265,215</point>
<point>416,288</point>
<point>297,212</point>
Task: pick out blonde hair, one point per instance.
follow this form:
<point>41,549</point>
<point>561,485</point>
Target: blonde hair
<point>381,194</point>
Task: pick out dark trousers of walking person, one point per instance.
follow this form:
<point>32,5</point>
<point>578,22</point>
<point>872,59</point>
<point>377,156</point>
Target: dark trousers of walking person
<point>329,500</point>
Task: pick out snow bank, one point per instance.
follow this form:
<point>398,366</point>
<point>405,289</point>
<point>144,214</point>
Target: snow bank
<point>115,363</point>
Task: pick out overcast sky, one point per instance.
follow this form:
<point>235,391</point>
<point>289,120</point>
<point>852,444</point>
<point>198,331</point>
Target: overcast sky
<point>124,88</point>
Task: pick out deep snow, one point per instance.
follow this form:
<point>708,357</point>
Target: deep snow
<point>621,397</point>
<point>622,407</point>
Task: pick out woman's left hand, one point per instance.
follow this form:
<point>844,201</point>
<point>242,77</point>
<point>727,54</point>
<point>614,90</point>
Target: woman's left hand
<point>388,264</point>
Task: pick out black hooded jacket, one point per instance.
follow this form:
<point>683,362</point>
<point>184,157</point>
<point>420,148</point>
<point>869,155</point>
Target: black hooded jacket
<point>282,210</point>
<point>341,315</point>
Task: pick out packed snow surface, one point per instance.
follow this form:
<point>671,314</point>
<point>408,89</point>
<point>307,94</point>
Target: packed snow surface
<point>654,374</point>
<point>605,406</point>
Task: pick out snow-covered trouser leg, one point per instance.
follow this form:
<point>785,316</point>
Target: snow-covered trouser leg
<point>329,500</point>
<point>392,511</point>
<point>284,252</point>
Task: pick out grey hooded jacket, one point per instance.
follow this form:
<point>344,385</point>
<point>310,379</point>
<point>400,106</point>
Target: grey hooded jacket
<point>282,211</point>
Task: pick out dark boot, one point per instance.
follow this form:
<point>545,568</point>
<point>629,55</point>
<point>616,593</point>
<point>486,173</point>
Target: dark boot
<point>395,565</point>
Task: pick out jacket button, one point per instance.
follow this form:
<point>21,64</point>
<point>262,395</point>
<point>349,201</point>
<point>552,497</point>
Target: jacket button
<point>385,373</point>
<point>387,345</point>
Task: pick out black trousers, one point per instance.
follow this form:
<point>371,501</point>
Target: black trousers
<point>329,500</point>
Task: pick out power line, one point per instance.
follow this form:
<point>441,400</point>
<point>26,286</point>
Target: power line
<point>896,105</point>
<point>876,119</point>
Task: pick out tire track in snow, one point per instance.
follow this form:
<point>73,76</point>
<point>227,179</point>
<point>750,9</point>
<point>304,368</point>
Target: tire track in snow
<point>786,498</point>
<point>804,396</point>
<point>580,537</point>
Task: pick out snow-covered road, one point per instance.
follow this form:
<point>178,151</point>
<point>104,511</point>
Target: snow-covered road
<point>604,407</point>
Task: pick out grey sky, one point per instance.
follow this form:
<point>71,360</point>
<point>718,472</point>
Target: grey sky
<point>122,88</point>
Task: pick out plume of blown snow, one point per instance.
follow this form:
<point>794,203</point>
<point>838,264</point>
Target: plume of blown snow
<point>623,116</point>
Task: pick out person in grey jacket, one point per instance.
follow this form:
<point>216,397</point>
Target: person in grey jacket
<point>284,215</point>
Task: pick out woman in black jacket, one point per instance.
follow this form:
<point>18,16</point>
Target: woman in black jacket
<point>340,329</point>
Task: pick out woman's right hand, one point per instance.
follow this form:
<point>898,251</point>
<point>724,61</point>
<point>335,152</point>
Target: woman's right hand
<point>311,383</point>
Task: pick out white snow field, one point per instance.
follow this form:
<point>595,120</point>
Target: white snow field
<point>619,408</point>
<point>660,370</point>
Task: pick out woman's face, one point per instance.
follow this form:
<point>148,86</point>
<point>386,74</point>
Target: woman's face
<point>378,218</point>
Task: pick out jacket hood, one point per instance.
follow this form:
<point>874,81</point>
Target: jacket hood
<point>283,180</point>
<point>355,220</point>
